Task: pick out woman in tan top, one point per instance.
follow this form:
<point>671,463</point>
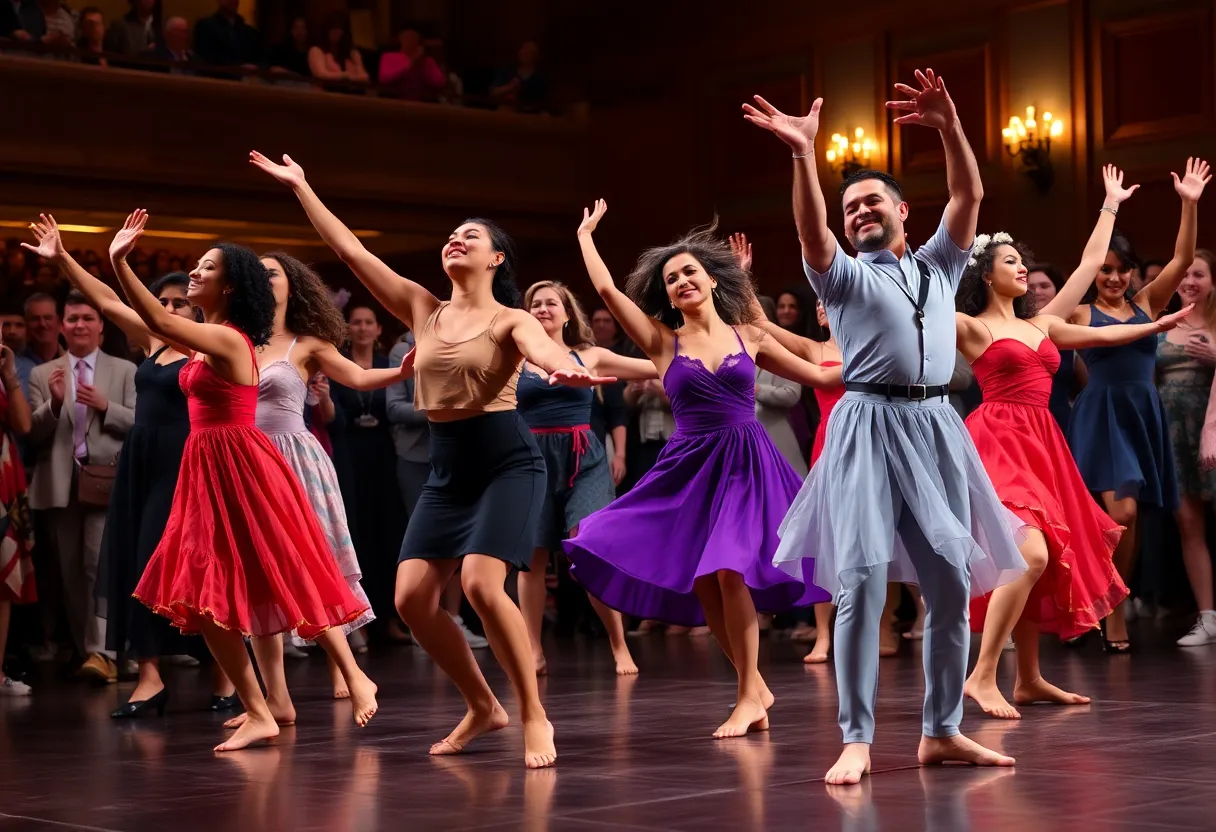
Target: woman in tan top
<point>483,499</point>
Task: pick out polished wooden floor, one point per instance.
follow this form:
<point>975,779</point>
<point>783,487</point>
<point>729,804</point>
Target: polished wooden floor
<point>635,753</point>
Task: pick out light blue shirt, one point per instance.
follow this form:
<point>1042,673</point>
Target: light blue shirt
<point>869,301</point>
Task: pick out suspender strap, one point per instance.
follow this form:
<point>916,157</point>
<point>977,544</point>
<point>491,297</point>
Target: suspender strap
<point>921,297</point>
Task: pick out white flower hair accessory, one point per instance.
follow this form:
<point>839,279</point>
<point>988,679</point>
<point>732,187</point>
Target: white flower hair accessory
<point>982,241</point>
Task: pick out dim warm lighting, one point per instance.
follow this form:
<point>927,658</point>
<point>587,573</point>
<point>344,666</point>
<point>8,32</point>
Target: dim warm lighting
<point>848,156</point>
<point>77,229</point>
<point>181,235</point>
<point>1030,140</point>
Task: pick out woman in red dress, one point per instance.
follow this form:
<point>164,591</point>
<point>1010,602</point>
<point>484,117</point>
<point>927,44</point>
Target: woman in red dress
<point>16,525</point>
<point>1071,582</point>
<point>242,553</point>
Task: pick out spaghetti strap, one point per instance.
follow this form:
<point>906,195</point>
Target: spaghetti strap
<point>739,338</point>
<point>291,347</point>
<point>991,337</point>
<point>576,358</point>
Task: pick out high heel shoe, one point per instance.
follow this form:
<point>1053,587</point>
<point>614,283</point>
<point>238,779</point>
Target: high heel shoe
<point>225,703</point>
<point>132,710</point>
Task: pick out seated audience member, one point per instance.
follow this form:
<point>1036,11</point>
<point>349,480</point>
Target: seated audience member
<point>92,40</point>
<point>333,58</point>
<point>522,87</point>
<point>59,23</point>
<point>409,73</point>
<point>292,54</point>
<point>225,39</point>
<point>138,30</point>
<point>22,20</point>
<point>174,48</point>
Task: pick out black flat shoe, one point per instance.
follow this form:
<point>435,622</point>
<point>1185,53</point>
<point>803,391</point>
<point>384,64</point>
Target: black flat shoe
<point>133,710</point>
<point>225,703</point>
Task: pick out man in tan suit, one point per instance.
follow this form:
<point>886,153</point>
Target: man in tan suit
<point>83,405</point>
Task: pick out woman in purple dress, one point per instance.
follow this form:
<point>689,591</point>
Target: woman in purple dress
<point>719,480</point>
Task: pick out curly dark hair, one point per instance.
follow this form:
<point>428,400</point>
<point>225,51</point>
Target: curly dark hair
<point>506,290</point>
<point>251,303</point>
<point>732,297</point>
<point>310,306</point>
<point>1121,247</point>
<point>972,295</point>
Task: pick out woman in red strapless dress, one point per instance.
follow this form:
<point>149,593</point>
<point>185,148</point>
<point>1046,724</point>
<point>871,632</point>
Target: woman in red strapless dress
<point>242,553</point>
<point>1071,582</point>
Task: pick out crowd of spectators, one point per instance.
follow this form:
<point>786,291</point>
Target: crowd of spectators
<point>225,45</point>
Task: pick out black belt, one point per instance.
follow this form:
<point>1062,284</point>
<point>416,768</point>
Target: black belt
<point>912,392</point>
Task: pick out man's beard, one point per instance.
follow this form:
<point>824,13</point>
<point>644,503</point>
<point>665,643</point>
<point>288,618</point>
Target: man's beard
<point>875,242</point>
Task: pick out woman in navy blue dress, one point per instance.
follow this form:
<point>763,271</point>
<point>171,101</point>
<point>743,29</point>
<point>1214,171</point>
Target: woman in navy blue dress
<point>1119,432</point>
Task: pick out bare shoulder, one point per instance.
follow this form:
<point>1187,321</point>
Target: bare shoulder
<point>1081,315</point>
<point>752,333</point>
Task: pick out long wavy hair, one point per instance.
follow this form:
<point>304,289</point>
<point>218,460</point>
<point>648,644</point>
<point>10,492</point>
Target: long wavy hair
<point>972,295</point>
<point>732,297</point>
<point>1121,247</point>
<point>251,302</point>
<point>310,304</point>
<point>506,290</point>
<point>1209,307</point>
<point>576,332</point>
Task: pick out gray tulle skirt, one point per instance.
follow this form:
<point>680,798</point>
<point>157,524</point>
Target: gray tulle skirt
<point>882,458</point>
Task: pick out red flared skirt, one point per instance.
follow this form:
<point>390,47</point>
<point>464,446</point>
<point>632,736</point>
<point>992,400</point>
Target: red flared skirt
<point>243,546</point>
<point>1033,472</point>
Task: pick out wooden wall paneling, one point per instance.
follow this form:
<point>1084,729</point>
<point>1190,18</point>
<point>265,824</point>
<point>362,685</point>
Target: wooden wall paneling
<point>1153,75</point>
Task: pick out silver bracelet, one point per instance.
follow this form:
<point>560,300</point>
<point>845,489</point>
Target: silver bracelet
<point>1114,212</point>
<point>803,156</point>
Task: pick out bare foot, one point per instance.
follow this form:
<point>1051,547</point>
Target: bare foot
<point>988,696</point>
<point>1040,690</point>
<point>284,715</point>
<point>470,728</point>
<point>804,632</point>
<point>958,749</point>
<point>251,730</point>
<point>699,631</point>
<point>888,641</point>
<point>539,750</point>
<point>625,665</point>
<point>341,689</point>
<point>766,696</point>
<point>853,764</point>
<point>819,653</point>
<point>363,699</point>
<point>749,715</point>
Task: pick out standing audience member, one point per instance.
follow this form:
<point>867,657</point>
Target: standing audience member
<point>59,23</point>
<point>1043,281</point>
<point>291,56</point>
<point>16,525</point>
<point>522,87</point>
<point>42,327</point>
<point>22,20</point>
<point>92,40</point>
<point>775,398</point>
<point>12,332</point>
<point>174,48</point>
<point>137,31</point>
<point>83,406</point>
<point>225,39</point>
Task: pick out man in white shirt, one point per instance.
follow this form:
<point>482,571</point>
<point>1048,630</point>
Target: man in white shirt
<point>83,405</point>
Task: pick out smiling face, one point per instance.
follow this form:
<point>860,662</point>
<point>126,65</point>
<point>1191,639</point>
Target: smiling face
<point>788,310</point>
<point>469,249</point>
<point>1041,287</point>
<point>208,282</point>
<point>1008,277</point>
<point>279,284</point>
<point>1196,286</point>
<point>1113,280</point>
<point>548,308</point>
<point>363,327</point>
<point>687,284</point>
<point>872,218</point>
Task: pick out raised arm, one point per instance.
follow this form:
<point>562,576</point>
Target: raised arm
<point>539,349</point>
<point>1190,187</point>
<point>19,413</point>
<point>1073,337</point>
<point>810,211</point>
<point>605,362</point>
<point>1066,300</point>
<point>931,106</point>
<point>779,361</point>
<point>222,343</point>
<point>341,369</point>
<point>50,247</point>
<point>407,300</point>
<point>650,335</point>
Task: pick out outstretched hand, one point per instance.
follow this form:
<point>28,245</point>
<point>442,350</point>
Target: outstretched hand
<point>407,364</point>
<point>288,173</point>
<point>591,218</point>
<point>1167,322</point>
<point>742,249</point>
<point>127,236</point>
<point>797,132</point>
<point>1198,175</point>
<point>1112,178</point>
<point>930,105</point>
<point>578,377</point>
<point>46,233</point>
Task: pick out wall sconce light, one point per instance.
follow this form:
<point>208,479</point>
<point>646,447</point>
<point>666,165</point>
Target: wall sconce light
<point>847,157</point>
<point>1031,140</point>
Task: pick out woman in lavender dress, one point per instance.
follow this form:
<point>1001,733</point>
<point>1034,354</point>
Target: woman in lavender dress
<point>719,480</point>
<point>307,327</point>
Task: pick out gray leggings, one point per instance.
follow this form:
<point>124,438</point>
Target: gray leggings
<point>946,592</point>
